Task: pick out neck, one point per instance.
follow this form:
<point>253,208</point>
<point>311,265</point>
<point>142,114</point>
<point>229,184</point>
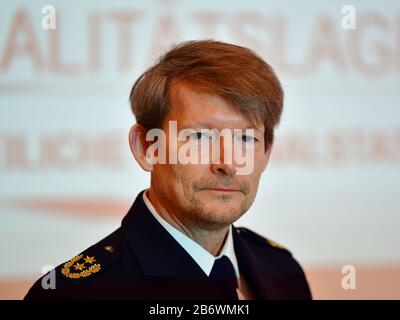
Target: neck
<point>211,240</point>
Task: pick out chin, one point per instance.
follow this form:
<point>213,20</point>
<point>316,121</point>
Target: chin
<point>221,215</point>
<point>214,213</point>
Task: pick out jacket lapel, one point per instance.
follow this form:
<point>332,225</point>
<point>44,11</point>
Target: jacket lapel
<point>260,282</point>
<point>162,258</point>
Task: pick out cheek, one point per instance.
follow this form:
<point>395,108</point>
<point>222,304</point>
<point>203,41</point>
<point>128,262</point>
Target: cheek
<point>182,176</point>
<point>168,177</point>
<point>191,171</point>
<point>189,176</point>
<point>258,170</point>
<point>261,160</point>
<point>254,178</point>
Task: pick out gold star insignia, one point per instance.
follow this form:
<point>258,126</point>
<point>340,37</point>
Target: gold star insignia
<point>89,259</point>
<point>83,272</point>
<point>79,266</point>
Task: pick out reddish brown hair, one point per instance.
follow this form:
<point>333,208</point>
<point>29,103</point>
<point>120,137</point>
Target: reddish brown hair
<point>232,72</point>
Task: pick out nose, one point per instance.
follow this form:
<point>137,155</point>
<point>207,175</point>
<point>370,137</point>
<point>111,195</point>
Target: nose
<point>223,160</point>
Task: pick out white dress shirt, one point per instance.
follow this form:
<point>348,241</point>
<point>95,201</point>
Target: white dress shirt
<point>202,257</point>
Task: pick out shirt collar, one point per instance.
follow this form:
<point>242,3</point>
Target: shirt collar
<point>202,257</point>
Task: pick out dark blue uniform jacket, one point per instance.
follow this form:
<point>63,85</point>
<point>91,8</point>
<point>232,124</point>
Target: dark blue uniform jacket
<point>140,260</point>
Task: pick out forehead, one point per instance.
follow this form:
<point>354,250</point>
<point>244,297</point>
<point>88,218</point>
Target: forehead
<point>193,108</point>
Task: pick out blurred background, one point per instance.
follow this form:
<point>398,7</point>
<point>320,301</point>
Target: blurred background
<point>331,193</point>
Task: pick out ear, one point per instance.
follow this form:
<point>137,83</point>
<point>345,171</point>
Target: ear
<point>267,155</point>
<point>138,145</point>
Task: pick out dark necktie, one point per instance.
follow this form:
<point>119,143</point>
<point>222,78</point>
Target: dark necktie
<point>224,277</point>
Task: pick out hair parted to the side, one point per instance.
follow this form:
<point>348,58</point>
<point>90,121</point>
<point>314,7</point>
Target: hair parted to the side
<point>232,72</point>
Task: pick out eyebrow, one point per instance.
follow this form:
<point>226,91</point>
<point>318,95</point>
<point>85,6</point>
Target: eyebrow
<point>209,126</point>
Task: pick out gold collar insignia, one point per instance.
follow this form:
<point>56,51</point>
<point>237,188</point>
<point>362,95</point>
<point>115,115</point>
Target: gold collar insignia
<point>81,267</point>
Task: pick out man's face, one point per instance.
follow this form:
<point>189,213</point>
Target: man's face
<point>208,196</point>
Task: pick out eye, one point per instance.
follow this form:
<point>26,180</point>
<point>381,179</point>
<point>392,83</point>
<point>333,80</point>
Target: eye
<point>197,136</point>
<point>246,138</point>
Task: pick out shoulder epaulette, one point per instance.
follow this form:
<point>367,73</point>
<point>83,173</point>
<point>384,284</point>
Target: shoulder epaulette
<point>90,262</point>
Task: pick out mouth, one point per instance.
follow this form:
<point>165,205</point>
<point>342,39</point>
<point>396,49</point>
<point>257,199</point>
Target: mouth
<point>225,190</point>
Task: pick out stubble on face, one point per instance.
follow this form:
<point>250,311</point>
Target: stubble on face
<point>222,210</point>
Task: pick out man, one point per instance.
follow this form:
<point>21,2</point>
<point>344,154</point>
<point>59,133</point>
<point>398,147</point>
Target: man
<point>178,241</point>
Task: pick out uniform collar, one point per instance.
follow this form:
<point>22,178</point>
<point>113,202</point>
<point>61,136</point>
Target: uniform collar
<point>160,256</point>
<point>149,241</point>
<point>202,257</point>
